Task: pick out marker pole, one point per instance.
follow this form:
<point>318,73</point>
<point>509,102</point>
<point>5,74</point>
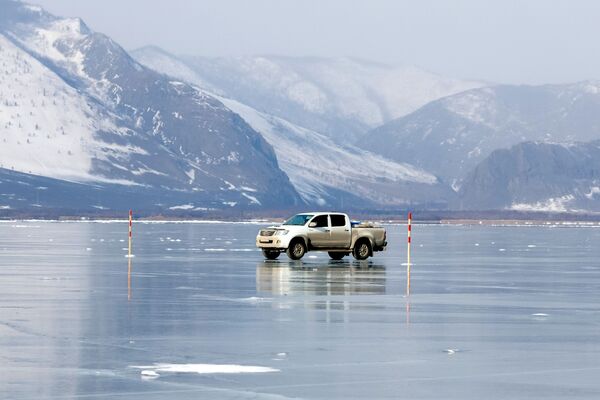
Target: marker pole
<point>130,230</point>
<point>129,256</point>
<point>408,255</point>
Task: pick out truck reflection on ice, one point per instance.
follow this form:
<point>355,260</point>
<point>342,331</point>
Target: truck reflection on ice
<point>322,279</point>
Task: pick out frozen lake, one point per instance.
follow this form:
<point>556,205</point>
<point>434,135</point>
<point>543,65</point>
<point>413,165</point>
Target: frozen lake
<point>495,313</point>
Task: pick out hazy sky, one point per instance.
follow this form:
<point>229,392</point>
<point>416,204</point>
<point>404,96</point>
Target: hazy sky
<point>516,41</point>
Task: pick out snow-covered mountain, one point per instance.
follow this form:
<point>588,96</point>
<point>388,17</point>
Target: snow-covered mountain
<point>450,136</point>
<point>50,128</point>
<point>340,98</point>
<point>536,176</point>
<point>74,105</point>
<point>85,126</point>
<point>323,172</point>
<point>328,174</point>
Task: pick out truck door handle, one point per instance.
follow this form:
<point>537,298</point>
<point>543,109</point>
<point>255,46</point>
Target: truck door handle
<point>346,230</point>
<point>326,230</point>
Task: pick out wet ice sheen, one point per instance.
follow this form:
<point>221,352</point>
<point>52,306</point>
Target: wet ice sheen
<point>480,323</point>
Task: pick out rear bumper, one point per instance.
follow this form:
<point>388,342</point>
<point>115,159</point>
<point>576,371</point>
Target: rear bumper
<point>380,248</point>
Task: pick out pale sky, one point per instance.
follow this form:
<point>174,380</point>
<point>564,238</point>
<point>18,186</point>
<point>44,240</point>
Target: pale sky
<point>505,41</point>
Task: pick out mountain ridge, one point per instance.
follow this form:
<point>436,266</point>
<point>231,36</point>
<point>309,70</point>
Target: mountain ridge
<point>323,171</point>
<point>339,97</point>
<point>450,136</point>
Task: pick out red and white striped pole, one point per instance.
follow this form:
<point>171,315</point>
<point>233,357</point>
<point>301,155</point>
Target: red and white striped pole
<point>129,255</point>
<point>130,230</point>
<point>408,255</point>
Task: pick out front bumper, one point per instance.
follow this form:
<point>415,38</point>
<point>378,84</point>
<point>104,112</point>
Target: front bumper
<point>272,242</point>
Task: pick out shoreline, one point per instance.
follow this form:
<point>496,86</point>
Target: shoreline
<point>389,222</point>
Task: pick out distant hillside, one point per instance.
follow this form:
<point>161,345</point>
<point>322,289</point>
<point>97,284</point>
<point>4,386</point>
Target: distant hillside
<point>338,97</point>
<point>450,136</point>
<point>536,177</point>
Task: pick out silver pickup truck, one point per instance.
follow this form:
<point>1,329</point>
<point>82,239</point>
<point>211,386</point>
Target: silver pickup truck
<point>321,231</point>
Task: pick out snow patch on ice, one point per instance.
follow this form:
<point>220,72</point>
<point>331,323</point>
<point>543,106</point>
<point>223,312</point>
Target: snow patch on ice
<point>540,316</point>
<point>451,351</point>
<point>149,374</point>
<point>255,299</point>
<point>205,368</point>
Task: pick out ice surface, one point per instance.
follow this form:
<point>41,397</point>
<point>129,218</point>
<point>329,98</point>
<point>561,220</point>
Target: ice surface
<point>479,324</point>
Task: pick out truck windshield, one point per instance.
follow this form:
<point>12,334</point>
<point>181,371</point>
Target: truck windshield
<point>300,219</point>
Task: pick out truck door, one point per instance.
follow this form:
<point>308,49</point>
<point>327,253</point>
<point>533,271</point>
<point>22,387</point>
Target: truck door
<point>340,231</point>
<point>319,234</point>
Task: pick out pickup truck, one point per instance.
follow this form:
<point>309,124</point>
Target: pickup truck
<point>321,231</point>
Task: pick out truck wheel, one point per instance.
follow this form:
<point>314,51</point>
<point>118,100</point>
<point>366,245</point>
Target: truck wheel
<point>296,250</point>
<point>362,249</point>
<point>336,255</point>
<point>270,254</point>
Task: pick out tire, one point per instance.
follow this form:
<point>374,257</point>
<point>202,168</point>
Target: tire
<point>362,250</point>
<point>270,254</point>
<point>336,255</point>
<point>296,250</point>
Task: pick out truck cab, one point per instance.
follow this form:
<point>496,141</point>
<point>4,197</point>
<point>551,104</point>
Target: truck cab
<point>330,231</point>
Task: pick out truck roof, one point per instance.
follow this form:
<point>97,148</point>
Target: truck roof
<point>321,212</point>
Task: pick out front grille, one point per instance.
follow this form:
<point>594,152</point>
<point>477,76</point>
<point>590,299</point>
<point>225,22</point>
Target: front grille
<point>267,233</point>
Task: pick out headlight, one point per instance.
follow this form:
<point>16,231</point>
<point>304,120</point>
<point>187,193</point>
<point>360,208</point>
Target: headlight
<point>282,232</point>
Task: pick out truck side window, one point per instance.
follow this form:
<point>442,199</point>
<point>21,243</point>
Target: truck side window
<point>338,220</point>
<point>321,221</point>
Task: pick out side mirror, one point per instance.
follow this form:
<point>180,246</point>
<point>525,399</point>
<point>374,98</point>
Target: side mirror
<point>312,225</point>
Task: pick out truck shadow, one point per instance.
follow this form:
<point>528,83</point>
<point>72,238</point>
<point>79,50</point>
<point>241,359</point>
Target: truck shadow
<point>320,278</point>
